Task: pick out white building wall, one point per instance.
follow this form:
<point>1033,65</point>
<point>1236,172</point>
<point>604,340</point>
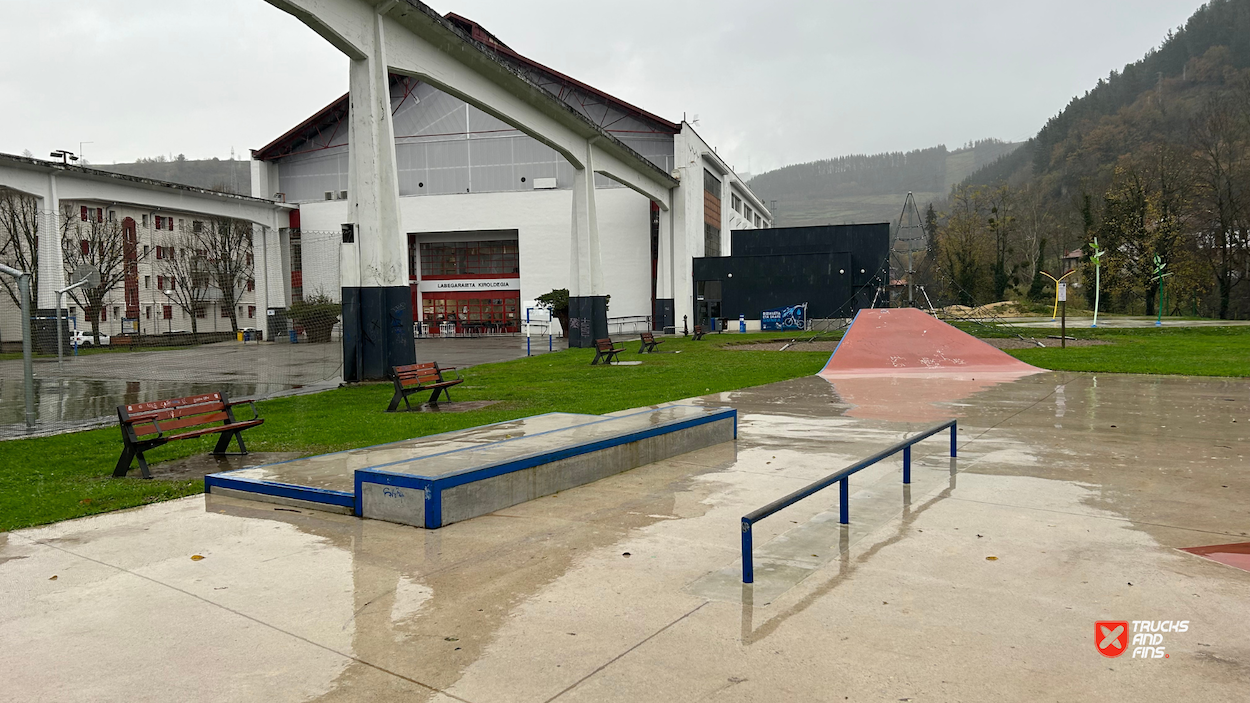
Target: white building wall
<point>543,223</point>
<point>691,156</point>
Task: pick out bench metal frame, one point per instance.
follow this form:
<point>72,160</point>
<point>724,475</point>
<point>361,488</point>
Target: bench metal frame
<point>648,347</point>
<point>607,355</point>
<point>843,479</point>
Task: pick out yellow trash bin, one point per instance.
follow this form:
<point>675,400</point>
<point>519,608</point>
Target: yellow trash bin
<point>239,336</point>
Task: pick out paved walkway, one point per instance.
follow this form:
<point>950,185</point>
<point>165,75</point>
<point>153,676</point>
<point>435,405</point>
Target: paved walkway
<point>982,581</point>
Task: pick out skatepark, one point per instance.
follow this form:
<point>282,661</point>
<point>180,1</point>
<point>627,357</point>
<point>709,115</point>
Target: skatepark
<point>1069,504</point>
<point>881,507</point>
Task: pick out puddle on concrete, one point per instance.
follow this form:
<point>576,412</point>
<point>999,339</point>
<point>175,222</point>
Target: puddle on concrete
<point>196,467</point>
<point>70,404</point>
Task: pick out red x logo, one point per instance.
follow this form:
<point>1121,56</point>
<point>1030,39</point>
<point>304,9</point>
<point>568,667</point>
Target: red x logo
<point>1111,637</point>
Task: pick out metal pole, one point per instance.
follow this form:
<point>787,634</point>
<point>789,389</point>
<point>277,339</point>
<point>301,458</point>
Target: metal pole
<point>1159,321</point>
<point>844,500</point>
<point>953,439</point>
<point>59,295</point>
<point>28,368</point>
<point>748,564</point>
<point>910,271</point>
<point>907,464</point>
<point>1097,290</point>
<point>1063,326</point>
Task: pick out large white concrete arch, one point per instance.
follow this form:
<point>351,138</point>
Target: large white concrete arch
<point>418,42</point>
<point>406,37</point>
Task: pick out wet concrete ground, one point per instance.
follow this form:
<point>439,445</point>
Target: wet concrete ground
<point>84,391</point>
<point>1082,487</point>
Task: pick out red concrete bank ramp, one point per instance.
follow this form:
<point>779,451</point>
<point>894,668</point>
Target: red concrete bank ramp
<point>906,365</point>
<point>906,341</point>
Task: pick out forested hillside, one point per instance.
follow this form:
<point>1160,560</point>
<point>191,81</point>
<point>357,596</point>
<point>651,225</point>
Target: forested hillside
<point>229,176</point>
<point>1153,161</point>
<point>869,188</point>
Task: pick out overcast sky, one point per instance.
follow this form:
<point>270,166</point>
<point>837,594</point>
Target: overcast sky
<point>772,81</point>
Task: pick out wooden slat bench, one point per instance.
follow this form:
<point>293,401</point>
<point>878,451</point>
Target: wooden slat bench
<point>606,351</point>
<point>649,343</point>
<point>415,378</point>
<point>140,421</point>
<point>699,332</point>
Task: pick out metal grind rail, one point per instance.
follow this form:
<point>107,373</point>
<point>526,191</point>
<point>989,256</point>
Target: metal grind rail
<point>842,477</point>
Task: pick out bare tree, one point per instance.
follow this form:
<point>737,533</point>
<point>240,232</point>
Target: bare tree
<point>102,245</point>
<point>227,248</point>
<point>1222,170</point>
<point>1036,228</point>
<point>19,240</point>
<point>188,278</point>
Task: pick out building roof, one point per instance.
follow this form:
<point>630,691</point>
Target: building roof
<point>477,32</point>
<point>333,113</point>
<point>149,183</point>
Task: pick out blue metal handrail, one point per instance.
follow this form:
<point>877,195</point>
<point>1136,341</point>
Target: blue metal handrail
<point>842,477</point>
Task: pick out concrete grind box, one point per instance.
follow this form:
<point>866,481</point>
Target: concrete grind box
<point>437,500</point>
<point>439,479</point>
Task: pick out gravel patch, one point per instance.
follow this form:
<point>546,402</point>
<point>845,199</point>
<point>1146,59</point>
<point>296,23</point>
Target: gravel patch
<point>821,346</point>
<point>1017,343</point>
<point>829,346</point>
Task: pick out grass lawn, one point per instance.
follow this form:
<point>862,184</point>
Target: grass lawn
<point>1186,351</point>
<point>54,478</point>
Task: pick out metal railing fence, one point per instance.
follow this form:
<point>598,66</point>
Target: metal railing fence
<point>843,478</point>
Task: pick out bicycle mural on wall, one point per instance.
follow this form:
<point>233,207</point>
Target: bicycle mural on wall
<point>793,317</point>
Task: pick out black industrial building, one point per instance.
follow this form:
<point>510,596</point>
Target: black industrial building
<point>835,269</point>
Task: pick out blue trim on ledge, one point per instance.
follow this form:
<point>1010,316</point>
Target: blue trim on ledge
<point>526,462</point>
<point>401,441</point>
<point>283,490</point>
